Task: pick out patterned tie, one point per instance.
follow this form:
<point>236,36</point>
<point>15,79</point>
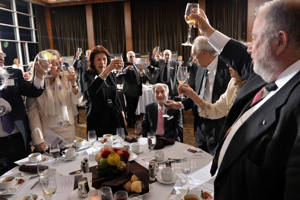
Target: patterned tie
<point>204,84</point>
<point>160,122</point>
<point>137,74</point>
<point>262,93</point>
<point>7,124</point>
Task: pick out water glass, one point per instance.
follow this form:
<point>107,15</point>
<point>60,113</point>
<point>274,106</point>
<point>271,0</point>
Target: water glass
<point>121,133</point>
<point>151,140</point>
<point>186,168</point>
<point>48,183</point>
<point>54,150</point>
<point>92,136</point>
<point>105,193</point>
<point>138,129</point>
<point>121,195</point>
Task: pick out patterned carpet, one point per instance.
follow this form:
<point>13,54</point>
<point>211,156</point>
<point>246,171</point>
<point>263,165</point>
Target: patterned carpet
<point>188,131</point>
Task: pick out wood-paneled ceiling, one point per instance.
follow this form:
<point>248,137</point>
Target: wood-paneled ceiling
<point>59,3</point>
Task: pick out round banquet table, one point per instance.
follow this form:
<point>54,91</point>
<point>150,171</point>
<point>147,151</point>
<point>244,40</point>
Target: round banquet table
<point>199,177</point>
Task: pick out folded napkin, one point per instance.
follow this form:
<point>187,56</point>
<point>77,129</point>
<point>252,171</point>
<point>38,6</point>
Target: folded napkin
<point>161,142</point>
<point>32,168</point>
<point>130,139</point>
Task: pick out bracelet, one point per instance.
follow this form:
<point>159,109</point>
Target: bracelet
<point>103,76</point>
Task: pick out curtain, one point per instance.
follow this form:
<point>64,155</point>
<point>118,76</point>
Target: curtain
<point>40,25</point>
<point>109,29</point>
<point>69,29</point>
<point>229,17</point>
<point>160,23</point>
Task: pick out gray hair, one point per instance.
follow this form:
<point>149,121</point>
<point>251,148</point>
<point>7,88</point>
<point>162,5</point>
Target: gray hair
<point>282,15</point>
<point>160,84</point>
<point>168,51</point>
<point>201,43</point>
<point>128,54</point>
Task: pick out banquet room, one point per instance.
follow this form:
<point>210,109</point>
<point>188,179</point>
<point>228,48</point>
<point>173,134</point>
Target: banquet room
<point>149,99</point>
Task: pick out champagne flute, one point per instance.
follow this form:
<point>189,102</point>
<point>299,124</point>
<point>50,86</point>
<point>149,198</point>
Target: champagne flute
<point>92,136</point>
<point>48,183</point>
<point>182,76</point>
<point>190,8</point>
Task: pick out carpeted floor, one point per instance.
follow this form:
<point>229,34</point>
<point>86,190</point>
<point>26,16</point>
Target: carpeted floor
<point>188,130</point>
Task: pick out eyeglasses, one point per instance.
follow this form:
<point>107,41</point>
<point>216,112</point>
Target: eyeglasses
<point>3,54</point>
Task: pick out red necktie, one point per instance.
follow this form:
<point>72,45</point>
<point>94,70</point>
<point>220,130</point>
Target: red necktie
<point>160,122</point>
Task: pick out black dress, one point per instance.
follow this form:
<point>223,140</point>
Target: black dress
<point>104,109</point>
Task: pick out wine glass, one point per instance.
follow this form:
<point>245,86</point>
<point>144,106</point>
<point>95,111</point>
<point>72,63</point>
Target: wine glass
<point>121,195</point>
<point>151,140</point>
<point>119,67</point>
<point>190,8</point>
<point>105,193</point>
<point>138,129</point>
<point>182,76</point>
<point>48,183</point>
<point>92,136</point>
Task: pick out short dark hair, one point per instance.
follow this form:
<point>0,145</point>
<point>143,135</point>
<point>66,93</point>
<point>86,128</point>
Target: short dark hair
<point>97,50</point>
<point>285,16</point>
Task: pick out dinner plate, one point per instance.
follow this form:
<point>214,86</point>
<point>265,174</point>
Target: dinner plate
<point>25,161</point>
<point>160,180</point>
<point>69,159</point>
<point>132,156</point>
<point>13,189</point>
<point>84,145</point>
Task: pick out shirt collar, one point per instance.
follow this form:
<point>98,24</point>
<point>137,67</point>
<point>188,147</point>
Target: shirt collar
<point>287,74</point>
<point>160,107</point>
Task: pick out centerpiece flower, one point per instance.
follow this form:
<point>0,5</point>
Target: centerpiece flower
<point>111,161</point>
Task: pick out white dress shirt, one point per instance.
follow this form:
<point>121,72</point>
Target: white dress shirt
<point>218,41</point>
<point>211,74</point>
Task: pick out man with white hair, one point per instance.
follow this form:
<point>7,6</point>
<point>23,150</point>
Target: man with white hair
<point>164,122</point>
<point>258,157</point>
<point>167,71</point>
<point>14,128</point>
<point>132,87</point>
<point>211,80</point>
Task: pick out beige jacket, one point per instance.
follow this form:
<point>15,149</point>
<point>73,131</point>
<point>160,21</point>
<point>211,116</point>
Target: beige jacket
<point>56,99</point>
<point>221,107</point>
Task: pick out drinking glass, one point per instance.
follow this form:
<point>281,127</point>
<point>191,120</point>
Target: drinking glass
<point>48,183</point>
<point>44,58</point>
<point>92,136</point>
<point>182,76</point>
<point>190,8</point>
<point>119,67</point>
<point>105,193</point>
<point>138,129</point>
<point>151,140</point>
<point>186,168</point>
<point>121,134</point>
<point>121,195</point>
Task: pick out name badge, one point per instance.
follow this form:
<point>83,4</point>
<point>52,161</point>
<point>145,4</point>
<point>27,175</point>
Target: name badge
<point>10,82</point>
<point>109,101</point>
<point>171,67</point>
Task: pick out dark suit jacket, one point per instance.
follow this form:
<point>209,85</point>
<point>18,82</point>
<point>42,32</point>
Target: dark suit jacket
<point>132,82</point>
<point>172,76</point>
<point>103,105</point>
<point>208,126</point>
<point>13,94</point>
<point>262,160</point>
<point>172,125</point>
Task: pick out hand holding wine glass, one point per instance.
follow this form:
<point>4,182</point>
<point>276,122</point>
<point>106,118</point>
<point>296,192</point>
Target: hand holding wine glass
<point>182,76</point>
<point>191,8</point>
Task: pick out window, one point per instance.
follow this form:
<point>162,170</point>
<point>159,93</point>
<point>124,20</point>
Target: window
<point>23,20</point>
<point>6,17</point>
<point>10,49</point>
<point>7,32</point>
<point>22,6</point>
<point>25,34</point>
<point>5,4</point>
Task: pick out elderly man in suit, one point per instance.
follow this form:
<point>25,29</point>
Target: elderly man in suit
<point>167,71</point>
<point>259,155</point>
<point>165,122</point>
<point>14,128</point>
<point>210,77</point>
<point>132,87</point>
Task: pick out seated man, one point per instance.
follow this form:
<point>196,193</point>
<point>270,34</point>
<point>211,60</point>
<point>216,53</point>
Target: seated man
<point>158,119</point>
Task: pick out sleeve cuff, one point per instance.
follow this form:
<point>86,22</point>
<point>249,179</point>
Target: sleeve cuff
<point>218,41</point>
<point>38,83</point>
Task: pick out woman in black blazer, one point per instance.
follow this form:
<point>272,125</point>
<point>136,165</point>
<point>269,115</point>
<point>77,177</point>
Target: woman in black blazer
<point>104,109</point>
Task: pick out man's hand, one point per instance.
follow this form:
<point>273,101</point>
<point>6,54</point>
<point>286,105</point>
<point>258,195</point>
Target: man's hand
<point>41,68</point>
<point>4,107</point>
<point>173,105</point>
<point>186,90</point>
<point>202,23</point>
<point>41,147</point>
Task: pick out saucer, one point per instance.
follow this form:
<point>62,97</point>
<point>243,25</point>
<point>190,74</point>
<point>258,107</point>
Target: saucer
<point>69,159</point>
<point>160,180</point>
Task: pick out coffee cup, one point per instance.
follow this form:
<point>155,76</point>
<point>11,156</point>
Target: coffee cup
<point>69,153</point>
<point>167,174</point>
<point>77,143</point>
<point>135,147</point>
<point>191,196</point>
<point>159,156</point>
<point>35,157</point>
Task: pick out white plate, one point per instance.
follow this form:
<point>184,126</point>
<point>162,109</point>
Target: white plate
<point>12,190</point>
<point>69,159</point>
<point>132,156</point>
<point>84,145</point>
<point>25,161</point>
<point>160,180</point>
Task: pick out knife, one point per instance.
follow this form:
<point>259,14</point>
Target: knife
<point>35,184</point>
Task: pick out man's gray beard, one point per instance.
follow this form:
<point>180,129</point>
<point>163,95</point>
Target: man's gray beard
<point>259,69</point>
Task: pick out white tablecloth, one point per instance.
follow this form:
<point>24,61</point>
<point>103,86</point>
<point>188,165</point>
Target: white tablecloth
<point>199,177</point>
<point>146,98</point>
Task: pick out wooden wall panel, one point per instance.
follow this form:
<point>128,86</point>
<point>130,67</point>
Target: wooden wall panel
<point>90,26</point>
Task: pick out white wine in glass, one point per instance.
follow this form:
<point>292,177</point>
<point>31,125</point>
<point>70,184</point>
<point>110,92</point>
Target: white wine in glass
<point>190,9</point>
<point>182,76</point>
